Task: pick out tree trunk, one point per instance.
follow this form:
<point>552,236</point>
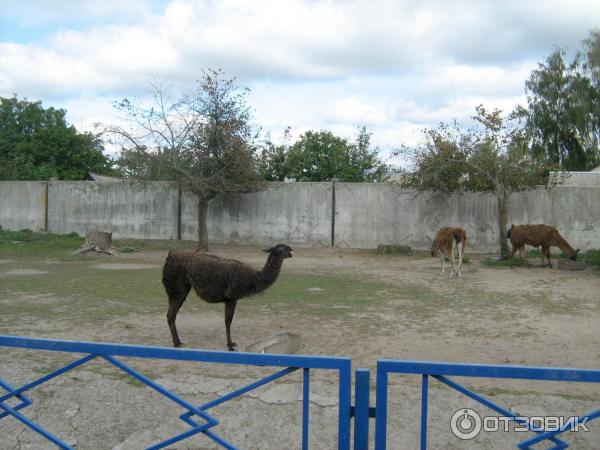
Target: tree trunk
<point>202,222</point>
<point>502,221</point>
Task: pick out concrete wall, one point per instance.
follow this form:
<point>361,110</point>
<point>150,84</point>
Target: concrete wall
<point>371,214</point>
<point>23,205</point>
<point>129,210</point>
<point>297,213</point>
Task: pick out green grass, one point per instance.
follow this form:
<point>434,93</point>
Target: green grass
<point>591,258</point>
<point>27,242</point>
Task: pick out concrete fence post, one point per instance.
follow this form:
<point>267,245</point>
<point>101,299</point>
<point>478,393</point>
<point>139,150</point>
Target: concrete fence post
<point>46,199</point>
<point>333,182</point>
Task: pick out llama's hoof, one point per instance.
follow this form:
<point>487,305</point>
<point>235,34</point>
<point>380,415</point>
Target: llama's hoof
<point>181,344</point>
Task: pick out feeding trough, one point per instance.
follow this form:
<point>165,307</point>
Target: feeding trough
<point>567,264</point>
<point>278,343</point>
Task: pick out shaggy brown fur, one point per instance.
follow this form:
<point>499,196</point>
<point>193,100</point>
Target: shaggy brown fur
<point>446,240</point>
<point>216,280</point>
<point>538,235</point>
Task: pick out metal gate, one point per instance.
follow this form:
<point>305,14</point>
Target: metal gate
<point>197,417</point>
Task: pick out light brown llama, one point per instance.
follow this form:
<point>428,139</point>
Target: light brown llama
<point>446,241</point>
<point>538,235</point>
<point>217,280</point>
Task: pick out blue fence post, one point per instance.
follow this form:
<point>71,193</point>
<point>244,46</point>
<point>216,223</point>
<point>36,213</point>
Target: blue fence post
<point>305,406</point>
<point>381,405</point>
<point>424,393</point>
<point>345,394</point>
<point>361,409</point>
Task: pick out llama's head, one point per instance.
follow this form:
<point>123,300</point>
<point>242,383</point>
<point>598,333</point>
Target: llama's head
<point>281,250</point>
<point>573,257</point>
<point>434,248</point>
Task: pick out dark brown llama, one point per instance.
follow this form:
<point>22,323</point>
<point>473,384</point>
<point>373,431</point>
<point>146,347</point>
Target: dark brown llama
<point>217,280</point>
<point>538,235</point>
<point>446,241</point>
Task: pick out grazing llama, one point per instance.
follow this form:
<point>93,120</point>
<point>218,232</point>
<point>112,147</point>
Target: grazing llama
<point>539,235</point>
<point>446,240</point>
<point>217,280</point>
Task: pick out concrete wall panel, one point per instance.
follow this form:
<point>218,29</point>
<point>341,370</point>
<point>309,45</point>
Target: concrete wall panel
<point>23,205</point>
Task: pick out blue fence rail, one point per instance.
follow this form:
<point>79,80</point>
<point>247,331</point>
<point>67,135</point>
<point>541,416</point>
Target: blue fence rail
<point>196,416</point>
<point>441,372</point>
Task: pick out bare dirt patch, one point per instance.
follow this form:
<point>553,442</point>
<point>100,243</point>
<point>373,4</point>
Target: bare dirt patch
<point>340,302</point>
<point>23,272</point>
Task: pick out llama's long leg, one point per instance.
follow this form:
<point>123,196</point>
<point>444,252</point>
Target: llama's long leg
<point>546,251</point>
<point>460,258</point>
<point>229,311</point>
<point>176,300</point>
<point>522,251</point>
<point>543,252</point>
<point>443,262</point>
<point>452,246</point>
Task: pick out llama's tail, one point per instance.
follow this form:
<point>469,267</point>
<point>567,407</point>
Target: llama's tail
<point>508,233</point>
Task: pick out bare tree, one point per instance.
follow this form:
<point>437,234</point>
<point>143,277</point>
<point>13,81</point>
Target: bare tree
<point>204,140</point>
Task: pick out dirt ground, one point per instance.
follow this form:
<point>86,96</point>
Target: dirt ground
<point>340,302</point>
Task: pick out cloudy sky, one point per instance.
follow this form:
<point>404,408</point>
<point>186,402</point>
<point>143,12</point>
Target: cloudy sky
<point>395,66</point>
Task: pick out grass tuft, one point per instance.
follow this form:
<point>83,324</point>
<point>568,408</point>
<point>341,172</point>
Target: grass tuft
<point>394,249</point>
<point>591,258</point>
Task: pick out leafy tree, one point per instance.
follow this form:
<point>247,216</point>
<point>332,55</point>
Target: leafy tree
<point>491,158</point>
<point>321,156</point>
<point>204,140</point>
<point>273,159</point>
<point>37,143</point>
<point>564,108</point>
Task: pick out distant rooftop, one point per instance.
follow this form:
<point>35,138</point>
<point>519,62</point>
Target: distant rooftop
<point>591,178</point>
<point>91,176</point>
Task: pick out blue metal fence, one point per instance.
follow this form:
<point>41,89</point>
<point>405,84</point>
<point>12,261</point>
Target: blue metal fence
<point>200,421</point>
<point>196,416</point>
<point>441,371</point>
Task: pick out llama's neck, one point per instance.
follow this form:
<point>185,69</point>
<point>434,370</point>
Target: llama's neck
<point>269,273</point>
<point>565,247</point>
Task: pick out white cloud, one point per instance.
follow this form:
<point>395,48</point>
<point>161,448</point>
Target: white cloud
<point>395,66</point>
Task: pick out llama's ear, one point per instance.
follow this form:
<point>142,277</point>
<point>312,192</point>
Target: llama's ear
<point>268,250</point>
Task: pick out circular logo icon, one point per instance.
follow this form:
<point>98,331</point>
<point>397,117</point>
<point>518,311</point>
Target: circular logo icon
<point>465,424</point>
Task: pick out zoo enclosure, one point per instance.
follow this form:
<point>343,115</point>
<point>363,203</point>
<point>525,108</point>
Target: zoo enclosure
<point>353,215</point>
<point>361,411</point>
